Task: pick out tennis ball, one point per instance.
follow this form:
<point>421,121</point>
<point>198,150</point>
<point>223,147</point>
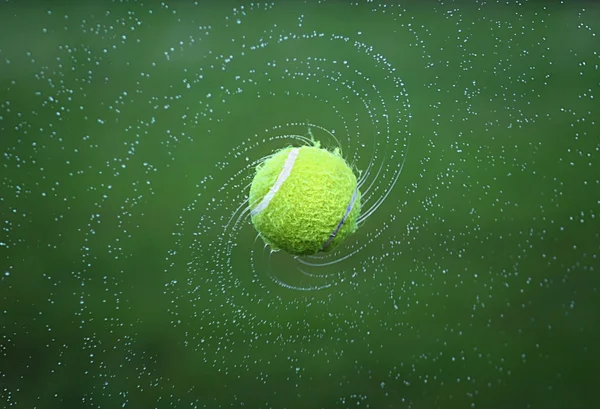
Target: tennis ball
<point>304,200</point>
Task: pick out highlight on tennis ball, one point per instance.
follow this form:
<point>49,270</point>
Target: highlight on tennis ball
<point>304,200</point>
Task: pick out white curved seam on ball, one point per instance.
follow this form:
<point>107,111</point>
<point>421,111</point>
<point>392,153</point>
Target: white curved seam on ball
<point>283,175</point>
<point>344,218</point>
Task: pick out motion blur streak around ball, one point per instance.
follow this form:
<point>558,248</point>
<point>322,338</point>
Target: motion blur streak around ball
<point>304,200</point>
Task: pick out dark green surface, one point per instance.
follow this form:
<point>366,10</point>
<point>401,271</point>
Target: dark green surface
<point>130,275</point>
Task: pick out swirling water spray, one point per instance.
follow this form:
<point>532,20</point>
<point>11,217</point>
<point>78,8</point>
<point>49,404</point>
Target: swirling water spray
<point>367,118</point>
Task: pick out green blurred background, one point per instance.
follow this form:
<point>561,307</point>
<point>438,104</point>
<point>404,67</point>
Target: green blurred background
<point>131,277</point>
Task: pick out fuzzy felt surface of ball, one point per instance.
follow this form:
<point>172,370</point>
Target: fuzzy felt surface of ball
<point>304,200</point>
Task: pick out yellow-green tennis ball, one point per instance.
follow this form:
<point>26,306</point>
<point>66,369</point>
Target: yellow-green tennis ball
<point>304,200</point>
